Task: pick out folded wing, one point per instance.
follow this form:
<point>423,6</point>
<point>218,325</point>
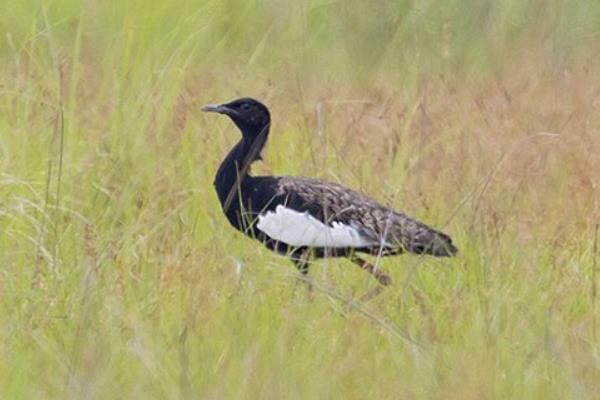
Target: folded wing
<point>316,213</point>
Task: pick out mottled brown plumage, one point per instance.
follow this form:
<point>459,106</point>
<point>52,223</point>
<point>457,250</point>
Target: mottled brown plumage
<point>395,232</point>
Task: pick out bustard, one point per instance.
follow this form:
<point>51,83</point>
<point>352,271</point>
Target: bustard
<point>309,218</point>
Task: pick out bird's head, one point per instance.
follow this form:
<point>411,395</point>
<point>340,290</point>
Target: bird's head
<point>251,116</point>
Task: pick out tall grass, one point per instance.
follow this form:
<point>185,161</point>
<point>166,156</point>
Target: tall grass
<point>120,278</point>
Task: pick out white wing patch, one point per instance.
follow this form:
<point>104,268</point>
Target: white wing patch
<point>302,229</point>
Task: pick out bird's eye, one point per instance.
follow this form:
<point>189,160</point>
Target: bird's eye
<point>245,107</point>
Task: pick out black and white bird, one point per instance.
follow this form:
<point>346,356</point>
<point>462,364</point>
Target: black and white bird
<point>308,218</point>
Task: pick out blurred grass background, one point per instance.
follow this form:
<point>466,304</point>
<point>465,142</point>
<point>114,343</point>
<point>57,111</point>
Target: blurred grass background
<point>120,278</point>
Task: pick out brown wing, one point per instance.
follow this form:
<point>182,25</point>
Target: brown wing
<point>330,202</point>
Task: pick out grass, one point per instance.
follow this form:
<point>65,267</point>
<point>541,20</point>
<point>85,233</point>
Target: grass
<point>120,278</point>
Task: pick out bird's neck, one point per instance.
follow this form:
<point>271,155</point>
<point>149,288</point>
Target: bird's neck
<point>235,169</point>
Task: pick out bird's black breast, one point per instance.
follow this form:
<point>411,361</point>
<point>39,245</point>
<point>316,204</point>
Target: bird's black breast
<point>256,195</point>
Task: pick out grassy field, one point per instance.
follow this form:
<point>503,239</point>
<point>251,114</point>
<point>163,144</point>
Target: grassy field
<point>121,279</point>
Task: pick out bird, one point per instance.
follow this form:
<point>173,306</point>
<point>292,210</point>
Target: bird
<point>306,218</point>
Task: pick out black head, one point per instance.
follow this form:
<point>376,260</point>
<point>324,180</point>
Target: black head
<point>251,116</point>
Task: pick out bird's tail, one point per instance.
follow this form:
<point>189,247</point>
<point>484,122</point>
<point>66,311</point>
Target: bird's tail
<point>432,242</point>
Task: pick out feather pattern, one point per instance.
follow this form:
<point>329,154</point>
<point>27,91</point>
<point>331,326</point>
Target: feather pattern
<point>393,231</point>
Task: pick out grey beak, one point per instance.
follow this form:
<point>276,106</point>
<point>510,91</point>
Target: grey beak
<point>215,108</point>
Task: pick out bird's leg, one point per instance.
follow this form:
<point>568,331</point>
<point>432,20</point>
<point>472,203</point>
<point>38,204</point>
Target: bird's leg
<point>301,262</point>
<point>377,273</point>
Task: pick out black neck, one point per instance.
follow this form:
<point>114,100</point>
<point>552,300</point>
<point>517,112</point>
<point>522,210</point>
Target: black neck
<point>235,169</point>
